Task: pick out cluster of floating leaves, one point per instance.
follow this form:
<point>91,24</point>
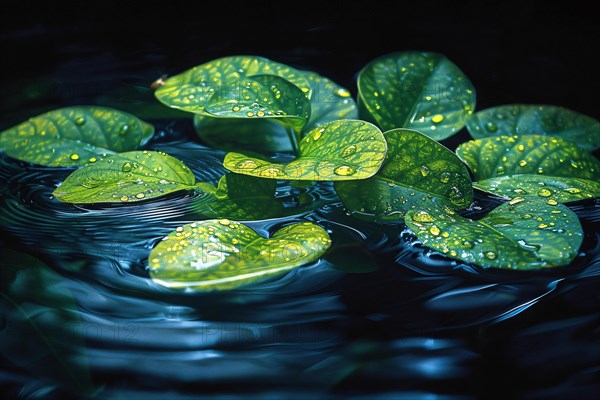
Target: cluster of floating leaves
<point>391,169</point>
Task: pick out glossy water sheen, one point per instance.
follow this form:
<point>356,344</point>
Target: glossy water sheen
<point>378,314</point>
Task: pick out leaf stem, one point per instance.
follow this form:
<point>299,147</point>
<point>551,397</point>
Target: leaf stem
<point>294,135</point>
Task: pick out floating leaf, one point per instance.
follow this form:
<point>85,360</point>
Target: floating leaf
<point>262,96</point>
<point>240,197</point>
<point>525,119</point>
<point>420,91</point>
<point>328,101</point>
<point>193,89</point>
<point>74,136</point>
<point>224,254</point>
<point>528,154</point>
<point>524,233</point>
<point>552,188</point>
<point>126,177</point>
<point>417,170</point>
<point>338,150</point>
<point>39,315</point>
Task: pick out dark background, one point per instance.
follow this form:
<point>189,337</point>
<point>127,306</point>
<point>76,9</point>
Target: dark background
<point>55,53</point>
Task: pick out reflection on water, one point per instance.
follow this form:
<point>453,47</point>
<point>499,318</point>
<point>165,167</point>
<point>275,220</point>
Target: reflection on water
<point>378,314</point>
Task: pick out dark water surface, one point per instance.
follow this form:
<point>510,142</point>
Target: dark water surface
<point>377,316</point>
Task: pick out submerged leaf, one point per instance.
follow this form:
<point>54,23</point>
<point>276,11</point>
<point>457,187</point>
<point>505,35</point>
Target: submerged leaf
<point>414,90</point>
<point>224,254</point>
<point>417,170</point>
<point>528,154</point>
<point>338,150</point>
<point>240,197</point>
<point>525,119</point>
<point>126,177</point>
<point>74,136</point>
<point>551,188</point>
<point>524,233</point>
<point>192,90</point>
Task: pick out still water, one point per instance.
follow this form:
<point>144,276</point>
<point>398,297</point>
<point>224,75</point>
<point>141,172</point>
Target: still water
<point>378,314</point>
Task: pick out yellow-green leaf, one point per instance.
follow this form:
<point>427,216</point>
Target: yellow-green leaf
<point>126,177</point>
<point>224,254</point>
<point>74,136</point>
<point>416,90</point>
<point>338,150</point>
<point>525,233</point>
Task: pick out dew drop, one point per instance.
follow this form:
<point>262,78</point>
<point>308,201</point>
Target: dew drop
<point>126,167</point>
<point>552,202</point>
<point>93,160</point>
<point>124,198</point>
<point>224,222</point>
<point>572,190</point>
<point>436,119</point>
<point>139,196</point>
<point>348,151</point>
<point>246,165</point>
<point>317,134</point>
<point>250,114</point>
<point>236,108</point>
<point>522,163</point>
<point>490,255</point>
<point>260,113</point>
<point>80,121</point>
<point>344,170</point>
<point>516,200</point>
<point>445,177</point>
<point>520,147</point>
<point>434,230</point>
<point>542,226</point>
<point>422,216</point>
<point>74,156</point>
<point>531,247</point>
<point>544,193</point>
<point>343,92</point>
<point>424,170</point>
<point>490,126</point>
<point>500,169</point>
<point>124,130</point>
<point>445,234</point>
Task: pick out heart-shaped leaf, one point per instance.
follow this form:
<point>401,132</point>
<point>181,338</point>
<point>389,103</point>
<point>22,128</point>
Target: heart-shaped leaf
<point>552,188</point>
<point>420,91</point>
<point>74,136</point>
<point>328,101</point>
<point>521,234</point>
<point>417,170</point>
<point>338,150</point>
<point>193,89</point>
<point>525,119</point>
<point>126,177</point>
<point>528,154</point>
<point>224,254</point>
<point>239,197</point>
<point>262,96</point>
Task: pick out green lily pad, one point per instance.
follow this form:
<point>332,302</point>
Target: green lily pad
<point>328,101</point>
<point>421,91</point>
<point>224,254</point>
<point>192,90</point>
<point>525,233</point>
<point>74,136</point>
<point>525,119</point>
<point>338,150</point>
<point>262,96</point>
<point>126,177</point>
<point>239,197</point>
<point>417,170</point>
<point>528,154</point>
<point>551,188</point>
